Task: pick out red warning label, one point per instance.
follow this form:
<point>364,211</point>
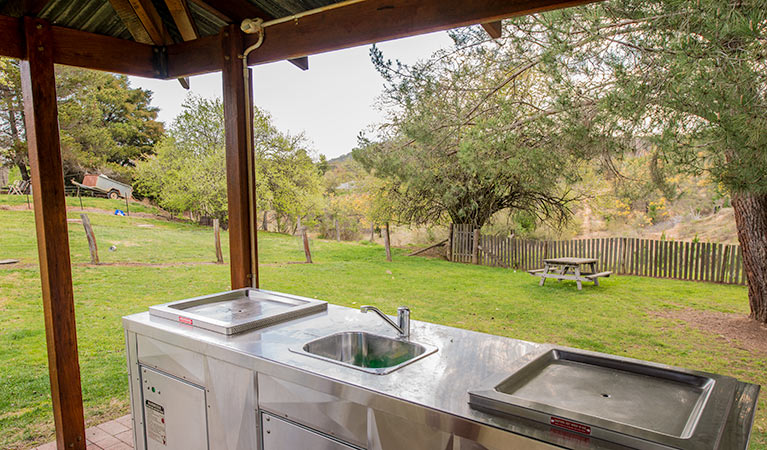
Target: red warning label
<point>570,425</point>
<point>185,320</point>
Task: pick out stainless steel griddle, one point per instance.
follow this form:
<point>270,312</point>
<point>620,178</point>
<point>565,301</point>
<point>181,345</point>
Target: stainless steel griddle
<point>239,310</point>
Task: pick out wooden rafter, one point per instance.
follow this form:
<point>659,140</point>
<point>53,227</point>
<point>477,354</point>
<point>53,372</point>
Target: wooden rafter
<point>235,12</point>
<point>494,29</point>
<point>30,8</point>
<point>145,24</point>
<point>373,21</point>
<point>84,49</point>
<point>131,21</point>
<point>179,10</point>
<point>142,20</point>
<point>356,24</point>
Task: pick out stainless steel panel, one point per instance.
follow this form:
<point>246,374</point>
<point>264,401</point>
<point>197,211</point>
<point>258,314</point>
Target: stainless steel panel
<point>174,413</point>
<point>283,435</point>
<point>239,310</point>
<point>366,351</point>
<point>179,362</point>
<point>388,431</point>
<point>648,405</point>
<point>338,417</point>
<point>134,384</point>
<point>231,395</point>
<point>431,392</point>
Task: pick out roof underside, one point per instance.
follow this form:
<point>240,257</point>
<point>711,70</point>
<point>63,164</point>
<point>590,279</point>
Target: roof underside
<point>98,16</point>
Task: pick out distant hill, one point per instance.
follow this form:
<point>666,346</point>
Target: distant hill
<point>340,159</point>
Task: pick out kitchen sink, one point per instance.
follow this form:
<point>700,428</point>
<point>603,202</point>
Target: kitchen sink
<point>364,351</point>
<point>634,402</point>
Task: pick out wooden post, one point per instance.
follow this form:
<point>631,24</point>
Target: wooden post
<point>307,251</point>
<point>243,259</point>
<point>387,242</point>
<point>449,249</point>
<point>91,236</point>
<point>265,221</point>
<point>475,247</point>
<point>127,206</point>
<point>372,231</point>
<point>41,118</point>
<point>217,239</point>
<point>338,232</point>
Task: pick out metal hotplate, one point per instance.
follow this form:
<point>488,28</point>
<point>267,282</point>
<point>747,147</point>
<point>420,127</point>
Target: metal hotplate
<point>239,310</point>
<point>644,405</point>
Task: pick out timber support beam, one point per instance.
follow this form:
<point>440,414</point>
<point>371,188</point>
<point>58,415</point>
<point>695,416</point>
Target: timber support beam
<point>41,116</point>
<point>238,123</point>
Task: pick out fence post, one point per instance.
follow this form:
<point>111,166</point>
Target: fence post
<point>387,242</point>
<point>217,239</point>
<point>307,252</point>
<point>91,239</point>
<point>449,249</point>
<point>475,247</point>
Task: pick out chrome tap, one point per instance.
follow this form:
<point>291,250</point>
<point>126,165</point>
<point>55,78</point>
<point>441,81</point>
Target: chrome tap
<point>403,319</point>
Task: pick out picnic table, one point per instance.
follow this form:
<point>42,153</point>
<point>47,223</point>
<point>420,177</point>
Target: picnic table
<point>558,268</point>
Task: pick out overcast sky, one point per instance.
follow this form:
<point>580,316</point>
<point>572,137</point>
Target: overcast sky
<point>331,102</point>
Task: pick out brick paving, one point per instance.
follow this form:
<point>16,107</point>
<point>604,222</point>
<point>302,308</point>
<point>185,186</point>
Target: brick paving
<point>113,435</point>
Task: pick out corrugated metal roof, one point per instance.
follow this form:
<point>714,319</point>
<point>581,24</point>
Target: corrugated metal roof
<point>95,16</point>
<point>98,16</point>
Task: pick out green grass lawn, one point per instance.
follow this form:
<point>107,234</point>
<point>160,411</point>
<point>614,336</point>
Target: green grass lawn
<point>618,317</point>
<point>87,202</point>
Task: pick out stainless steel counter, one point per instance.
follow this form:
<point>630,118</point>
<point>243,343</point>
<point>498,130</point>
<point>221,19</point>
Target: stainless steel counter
<point>438,382</point>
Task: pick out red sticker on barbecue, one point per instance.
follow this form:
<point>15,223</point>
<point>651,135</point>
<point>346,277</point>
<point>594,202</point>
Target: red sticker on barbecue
<point>185,320</point>
<point>569,425</point>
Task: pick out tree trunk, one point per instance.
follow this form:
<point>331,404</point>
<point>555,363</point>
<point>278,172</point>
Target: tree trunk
<point>372,231</point>
<point>387,242</point>
<point>19,150</point>
<point>265,221</point>
<point>751,220</point>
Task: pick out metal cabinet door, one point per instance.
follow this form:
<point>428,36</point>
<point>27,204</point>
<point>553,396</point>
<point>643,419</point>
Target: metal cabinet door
<point>175,416</point>
<point>279,434</point>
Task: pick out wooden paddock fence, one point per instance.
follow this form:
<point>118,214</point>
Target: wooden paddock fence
<point>694,261</point>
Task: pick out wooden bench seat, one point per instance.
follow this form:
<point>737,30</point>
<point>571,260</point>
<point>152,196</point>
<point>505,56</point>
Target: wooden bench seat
<point>597,275</point>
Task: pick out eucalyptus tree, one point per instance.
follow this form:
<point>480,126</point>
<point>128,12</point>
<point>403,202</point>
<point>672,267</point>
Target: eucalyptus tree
<point>105,124</point>
<point>462,141</point>
<point>689,75</point>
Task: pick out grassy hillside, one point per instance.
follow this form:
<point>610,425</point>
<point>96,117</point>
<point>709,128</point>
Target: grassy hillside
<point>157,261</point>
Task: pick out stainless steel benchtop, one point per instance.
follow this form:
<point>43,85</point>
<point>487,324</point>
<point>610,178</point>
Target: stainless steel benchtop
<point>441,381</point>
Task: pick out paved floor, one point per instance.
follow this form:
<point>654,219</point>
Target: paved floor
<point>113,435</point>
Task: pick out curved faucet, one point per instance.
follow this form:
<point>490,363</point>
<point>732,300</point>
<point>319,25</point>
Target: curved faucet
<point>403,319</point>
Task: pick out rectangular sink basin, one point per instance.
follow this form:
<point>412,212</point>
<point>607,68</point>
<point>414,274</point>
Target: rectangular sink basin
<point>644,405</point>
<point>364,351</point>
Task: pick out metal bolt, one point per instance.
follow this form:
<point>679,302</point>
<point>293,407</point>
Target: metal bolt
<point>40,48</point>
<point>226,34</point>
<point>39,26</point>
<point>156,50</point>
<point>226,58</point>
